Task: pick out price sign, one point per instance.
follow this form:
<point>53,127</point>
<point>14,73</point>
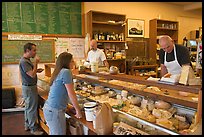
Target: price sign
<point>125,129</point>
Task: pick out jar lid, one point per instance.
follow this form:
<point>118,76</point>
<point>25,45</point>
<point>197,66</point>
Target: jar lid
<point>89,104</point>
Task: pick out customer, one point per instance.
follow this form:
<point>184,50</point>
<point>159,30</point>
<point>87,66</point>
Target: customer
<point>61,91</point>
<point>96,55</point>
<point>28,72</point>
<point>172,56</point>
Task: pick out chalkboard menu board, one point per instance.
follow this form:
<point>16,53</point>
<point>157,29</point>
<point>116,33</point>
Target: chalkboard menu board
<point>12,51</point>
<point>42,17</point>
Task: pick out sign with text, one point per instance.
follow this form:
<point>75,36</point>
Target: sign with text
<point>24,37</point>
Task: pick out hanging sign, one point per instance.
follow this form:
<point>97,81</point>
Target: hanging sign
<point>24,37</point>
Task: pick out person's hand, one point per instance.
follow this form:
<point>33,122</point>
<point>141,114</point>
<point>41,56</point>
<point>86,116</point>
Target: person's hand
<point>37,59</point>
<point>40,70</point>
<point>167,75</point>
<point>78,114</point>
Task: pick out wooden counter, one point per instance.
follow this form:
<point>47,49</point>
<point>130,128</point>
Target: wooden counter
<point>140,80</point>
<point>130,78</point>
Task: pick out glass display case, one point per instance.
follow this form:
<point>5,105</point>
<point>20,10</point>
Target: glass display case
<point>154,108</point>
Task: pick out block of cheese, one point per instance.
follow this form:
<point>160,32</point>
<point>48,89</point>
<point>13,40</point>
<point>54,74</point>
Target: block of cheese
<point>184,75</point>
<point>187,73</point>
<point>194,81</point>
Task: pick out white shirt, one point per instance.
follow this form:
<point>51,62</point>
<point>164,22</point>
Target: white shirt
<point>96,56</point>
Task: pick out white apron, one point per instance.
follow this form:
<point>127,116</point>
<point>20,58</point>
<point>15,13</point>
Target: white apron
<point>173,67</point>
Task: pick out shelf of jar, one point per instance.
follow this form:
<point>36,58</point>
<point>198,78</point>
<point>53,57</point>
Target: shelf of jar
<point>162,28</point>
<point>111,41</point>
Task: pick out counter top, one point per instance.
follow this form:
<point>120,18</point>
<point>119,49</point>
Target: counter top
<point>142,80</point>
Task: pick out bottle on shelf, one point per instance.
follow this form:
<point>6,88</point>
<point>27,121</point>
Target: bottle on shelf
<point>100,35</point>
<point>111,36</point>
<point>114,38</point>
<point>123,54</point>
<point>103,36</point>
<point>108,36</point>
<point>95,35</point>
<point>175,26</point>
<point>122,37</point>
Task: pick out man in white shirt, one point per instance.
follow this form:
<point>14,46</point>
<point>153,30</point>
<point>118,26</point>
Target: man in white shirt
<point>96,55</point>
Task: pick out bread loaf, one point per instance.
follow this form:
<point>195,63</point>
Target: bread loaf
<point>162,105</point>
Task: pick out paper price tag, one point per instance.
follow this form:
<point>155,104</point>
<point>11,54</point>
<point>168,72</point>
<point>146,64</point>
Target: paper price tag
<point>125,129</point>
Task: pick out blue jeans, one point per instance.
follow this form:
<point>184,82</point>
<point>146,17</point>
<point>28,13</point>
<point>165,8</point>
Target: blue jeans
<point>30,95</point>
<point>55,119</point>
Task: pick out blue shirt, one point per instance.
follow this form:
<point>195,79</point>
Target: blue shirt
<point>26,65</point>
<point>58,95</point>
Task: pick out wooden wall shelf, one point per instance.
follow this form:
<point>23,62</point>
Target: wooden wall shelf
<point>159,27</point>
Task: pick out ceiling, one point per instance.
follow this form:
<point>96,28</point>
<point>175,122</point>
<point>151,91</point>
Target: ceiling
<point>189,6</point>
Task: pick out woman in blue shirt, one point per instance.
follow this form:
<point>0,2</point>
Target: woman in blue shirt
<point>61,91</point>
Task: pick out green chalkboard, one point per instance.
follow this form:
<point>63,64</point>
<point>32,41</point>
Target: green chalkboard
<point>42,17</point>
<point>12,51</point>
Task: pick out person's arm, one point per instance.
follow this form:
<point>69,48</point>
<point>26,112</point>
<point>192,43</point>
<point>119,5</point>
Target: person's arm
<point>106,63</point>
<point>103,58</point>
<point>161,60</point>
<point>184,56</point>
<point>32,73</point>
<point>163,70</point>
<point>73,98</point>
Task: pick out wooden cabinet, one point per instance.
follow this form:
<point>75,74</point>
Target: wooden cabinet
<point>158,27</point>
<point>109,31</point>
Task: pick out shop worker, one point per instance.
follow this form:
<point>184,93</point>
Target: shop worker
<point>61,92</point>
<point>96,55</point>
<point>28,71</point>
<point>172,56</point>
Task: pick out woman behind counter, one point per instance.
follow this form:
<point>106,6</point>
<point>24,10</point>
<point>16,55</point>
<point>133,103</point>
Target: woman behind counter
<point>61,90</point>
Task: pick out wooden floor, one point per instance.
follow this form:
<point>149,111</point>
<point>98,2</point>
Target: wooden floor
<point>13,123</point>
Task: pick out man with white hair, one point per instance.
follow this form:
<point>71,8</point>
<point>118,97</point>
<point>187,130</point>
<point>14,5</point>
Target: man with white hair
<point>172,56</point>
<point>97,55</point>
